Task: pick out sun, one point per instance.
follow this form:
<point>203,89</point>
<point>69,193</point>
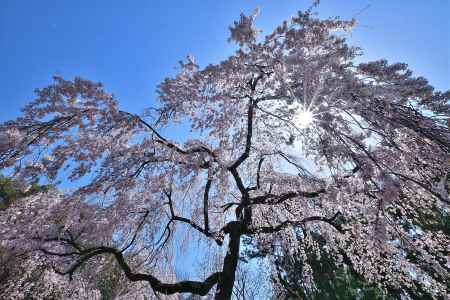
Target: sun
<point>304,118</point>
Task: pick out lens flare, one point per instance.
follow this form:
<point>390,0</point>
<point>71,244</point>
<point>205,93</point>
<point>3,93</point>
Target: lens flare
<point>304,118</point>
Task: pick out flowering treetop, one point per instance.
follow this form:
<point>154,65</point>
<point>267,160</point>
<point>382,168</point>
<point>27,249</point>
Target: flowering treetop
<point>377,136</point>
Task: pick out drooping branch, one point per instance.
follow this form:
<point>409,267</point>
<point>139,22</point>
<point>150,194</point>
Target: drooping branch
<point>272,199</point>
<point>194,287</point>
<point>412,119</point>
<point>290,161</point>
<point>139,227</point>
<point>285,224</point>
<point>162,140</point>
<point>386,168</point>
<point>258,176</point>
<point>258,173</point>
<point>191,223</point>
<point>206,204</point>
<point>35,132</point>
<point>285,120</point>
<point>422,185</point>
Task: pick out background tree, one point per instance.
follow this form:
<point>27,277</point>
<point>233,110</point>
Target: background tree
<point>27,274</point>
<point>371,146</point>
<point>22,274</point>
<point>12,190</point>
<point>306,273</point>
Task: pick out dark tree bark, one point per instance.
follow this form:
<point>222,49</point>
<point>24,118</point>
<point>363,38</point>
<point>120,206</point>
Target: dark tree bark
<point>227,277</point>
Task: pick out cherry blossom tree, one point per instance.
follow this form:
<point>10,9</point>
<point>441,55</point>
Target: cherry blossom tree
<point>289,135</point>
<point>28,275</point>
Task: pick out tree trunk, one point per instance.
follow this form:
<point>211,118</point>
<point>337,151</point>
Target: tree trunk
<point>226,281</point>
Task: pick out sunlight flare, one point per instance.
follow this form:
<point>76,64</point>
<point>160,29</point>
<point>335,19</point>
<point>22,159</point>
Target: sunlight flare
<point>304,118</point>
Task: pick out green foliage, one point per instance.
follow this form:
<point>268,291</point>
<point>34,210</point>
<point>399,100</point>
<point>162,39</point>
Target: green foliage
<point>331,280</point>
<point>340,282</point>
<point>109,281</point>
<point>10,191</point>
<point>345,285</point>
<point>436,220</point>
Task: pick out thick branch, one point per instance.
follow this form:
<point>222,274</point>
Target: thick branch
<point>248,141</point>
<point>160,139</point>
<point>251,107</point>
<point>239,182</point>
<point>276,199</point>
<point>194,287</point>
<point>285,224</point>
<point>205,204</point>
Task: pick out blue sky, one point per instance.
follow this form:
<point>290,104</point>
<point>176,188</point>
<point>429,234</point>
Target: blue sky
<point>130,46</point>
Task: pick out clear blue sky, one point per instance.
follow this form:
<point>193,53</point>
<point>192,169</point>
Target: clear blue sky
<point>130,46</point>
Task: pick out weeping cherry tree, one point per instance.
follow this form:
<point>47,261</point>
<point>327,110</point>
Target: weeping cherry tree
<point>290,136</point>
